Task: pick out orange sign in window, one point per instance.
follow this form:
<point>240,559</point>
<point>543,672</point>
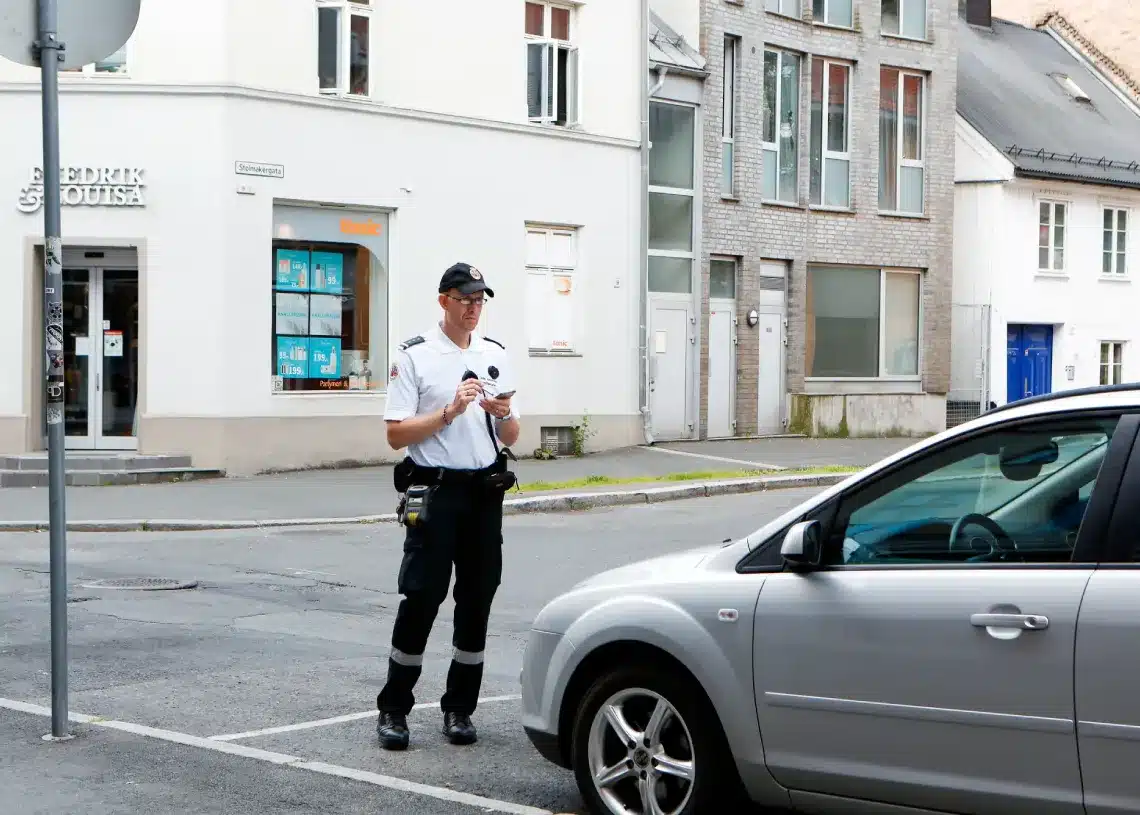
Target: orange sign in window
<point>368,227</point>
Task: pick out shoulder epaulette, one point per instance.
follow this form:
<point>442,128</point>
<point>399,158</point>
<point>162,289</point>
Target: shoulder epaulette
<point>406,344</point>
<point>488,339</point>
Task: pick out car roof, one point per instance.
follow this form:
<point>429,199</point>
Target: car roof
<point>1099,397</point>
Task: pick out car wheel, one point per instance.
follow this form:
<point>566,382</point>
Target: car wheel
<point>645,742</point>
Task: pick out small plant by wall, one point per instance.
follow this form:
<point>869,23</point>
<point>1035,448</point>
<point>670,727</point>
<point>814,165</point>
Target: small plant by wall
<point>582,435</point>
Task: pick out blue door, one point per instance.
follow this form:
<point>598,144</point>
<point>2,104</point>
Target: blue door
<point>1029,361</point>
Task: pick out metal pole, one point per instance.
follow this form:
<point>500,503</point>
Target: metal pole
<point>643,226</point>
<point>49,48</point>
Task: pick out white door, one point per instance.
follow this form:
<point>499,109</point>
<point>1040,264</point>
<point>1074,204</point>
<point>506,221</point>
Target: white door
<point>722,368</point>
<point>770,380</point>
<point>101,371</point>
<point>668,380</point>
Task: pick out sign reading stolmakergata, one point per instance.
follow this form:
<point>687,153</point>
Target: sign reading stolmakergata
<point>87,187</point>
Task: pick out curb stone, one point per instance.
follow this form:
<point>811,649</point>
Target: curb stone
<point>554,503</point>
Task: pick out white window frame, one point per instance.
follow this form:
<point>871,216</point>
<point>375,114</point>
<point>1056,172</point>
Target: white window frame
<point>728,117</point>
<point>771,150</point>
<point>90,68</point>
<point>1111,372</point>
<point>904,16</point>
<point>550,77</point>
<point>346,10</point>
<point>1118,257</point>
<point>825,17</point>
<point>549,272</point>
<point>788,8</point>
<point>900,126</point>
<point>826,154</point>
<point>1054,205</point>
<point>882,376</point>
<point>690,193</point>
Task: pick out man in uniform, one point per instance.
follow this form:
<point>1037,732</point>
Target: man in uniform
<point>444,406</point>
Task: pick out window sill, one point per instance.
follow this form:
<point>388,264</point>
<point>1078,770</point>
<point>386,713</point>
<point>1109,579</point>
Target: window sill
<point>782,204</point>
<point>730,199</point>
<point>832,210</point>
<point>370,393</point>
<point>833,27</point>
<point>875,386</point>
<point>911,216</point>
<point>905,38</point>
<point>534,352</point>
<point>783,16</point>
<point>1115,278</point>
<point>1039,275</point>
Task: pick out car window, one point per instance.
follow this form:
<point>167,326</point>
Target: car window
<point>1017,494</point>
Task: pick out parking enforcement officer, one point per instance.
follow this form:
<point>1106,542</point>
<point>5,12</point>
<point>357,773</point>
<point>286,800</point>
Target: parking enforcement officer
<point>450,403</point>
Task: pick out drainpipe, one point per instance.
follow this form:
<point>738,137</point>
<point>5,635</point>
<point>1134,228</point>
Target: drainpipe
<point>643,214</point>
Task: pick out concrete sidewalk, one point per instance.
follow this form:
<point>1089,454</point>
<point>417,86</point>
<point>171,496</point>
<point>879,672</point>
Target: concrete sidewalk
<point>367,494</point>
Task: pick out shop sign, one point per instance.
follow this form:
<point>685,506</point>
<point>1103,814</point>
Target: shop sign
<point>87,187</point>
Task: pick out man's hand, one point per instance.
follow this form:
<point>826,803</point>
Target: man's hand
<point>499,407</point>
<point>468,391</point>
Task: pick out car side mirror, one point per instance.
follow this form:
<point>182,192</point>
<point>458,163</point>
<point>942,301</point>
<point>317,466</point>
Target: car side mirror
<point>802,545</point>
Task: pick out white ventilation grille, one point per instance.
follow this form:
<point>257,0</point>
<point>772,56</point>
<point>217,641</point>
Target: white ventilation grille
<point>558,440</point>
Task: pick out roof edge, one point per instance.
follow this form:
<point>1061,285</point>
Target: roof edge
<point>1054,21</point>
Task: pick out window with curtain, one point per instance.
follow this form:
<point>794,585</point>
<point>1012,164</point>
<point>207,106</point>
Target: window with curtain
<point>830,133</point>
<point>902,141</point>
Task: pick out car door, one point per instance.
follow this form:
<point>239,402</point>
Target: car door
<point>1108,663</point>
<point>928,660</point>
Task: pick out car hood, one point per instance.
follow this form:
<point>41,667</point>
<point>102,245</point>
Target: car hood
<point>663,567</point>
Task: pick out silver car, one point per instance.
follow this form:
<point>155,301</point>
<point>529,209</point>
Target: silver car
<point>955,629</point>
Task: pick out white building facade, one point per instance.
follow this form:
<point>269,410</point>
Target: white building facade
<point>1047,195</point>
<point>250,231</point>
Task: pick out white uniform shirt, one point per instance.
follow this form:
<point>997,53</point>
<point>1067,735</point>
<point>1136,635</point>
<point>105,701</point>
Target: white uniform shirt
<point>423,379</point>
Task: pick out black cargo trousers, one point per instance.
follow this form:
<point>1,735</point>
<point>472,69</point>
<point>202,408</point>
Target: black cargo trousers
<point>464,527</point>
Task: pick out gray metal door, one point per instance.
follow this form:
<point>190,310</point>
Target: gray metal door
<point>722,368</point>
<point>668,370</point>
<point>770,376</point>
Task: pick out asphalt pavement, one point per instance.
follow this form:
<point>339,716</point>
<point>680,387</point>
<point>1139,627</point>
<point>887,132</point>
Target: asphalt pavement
<point>286,629</point>
<point>352,493</point>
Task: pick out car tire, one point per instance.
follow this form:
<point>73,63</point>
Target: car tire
<point>690,731</point>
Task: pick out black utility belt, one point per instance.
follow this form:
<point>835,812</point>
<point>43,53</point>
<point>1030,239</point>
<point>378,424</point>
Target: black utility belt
<point>417,485</point>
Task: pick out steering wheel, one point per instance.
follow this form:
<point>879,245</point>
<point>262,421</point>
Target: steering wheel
<point>1002,545</point>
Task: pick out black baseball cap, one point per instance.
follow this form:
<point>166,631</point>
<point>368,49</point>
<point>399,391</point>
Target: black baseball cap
<point>466,278</point>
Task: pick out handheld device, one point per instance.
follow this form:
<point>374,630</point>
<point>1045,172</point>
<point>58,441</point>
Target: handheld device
<point>504,394</point>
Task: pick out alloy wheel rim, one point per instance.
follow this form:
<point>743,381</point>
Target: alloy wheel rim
<point>640,754</point>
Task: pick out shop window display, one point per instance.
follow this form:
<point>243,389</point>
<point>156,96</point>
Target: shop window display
<point>322,303</point>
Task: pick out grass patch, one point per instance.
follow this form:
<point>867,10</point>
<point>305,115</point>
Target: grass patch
<point>698,475</point>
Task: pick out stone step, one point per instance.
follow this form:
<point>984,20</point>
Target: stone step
<point>95,461</point>
<point>107,478</point>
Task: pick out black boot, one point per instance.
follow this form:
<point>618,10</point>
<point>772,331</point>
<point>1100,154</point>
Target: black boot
<point>392,730</point>
<point>458,728</point>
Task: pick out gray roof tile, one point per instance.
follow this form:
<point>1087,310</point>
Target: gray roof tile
<point>667,47</point>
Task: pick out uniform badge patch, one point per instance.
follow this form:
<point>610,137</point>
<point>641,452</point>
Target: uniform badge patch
<point>393,372</point>
<point>476,274</point>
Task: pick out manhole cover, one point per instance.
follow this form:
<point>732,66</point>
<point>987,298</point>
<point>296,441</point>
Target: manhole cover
<point>141,584</point>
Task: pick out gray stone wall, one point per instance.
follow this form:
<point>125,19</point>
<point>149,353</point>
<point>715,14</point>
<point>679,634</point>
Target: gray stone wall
<point>752,231</point>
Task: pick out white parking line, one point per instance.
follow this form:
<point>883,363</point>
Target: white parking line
<point>348,717</point>
<point>758,465</point>
<point>284,759</point>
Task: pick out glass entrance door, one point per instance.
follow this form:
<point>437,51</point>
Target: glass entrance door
<point>101,343</point>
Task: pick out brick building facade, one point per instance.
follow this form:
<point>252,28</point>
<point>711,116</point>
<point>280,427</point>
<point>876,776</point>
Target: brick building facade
<point>878,275</point>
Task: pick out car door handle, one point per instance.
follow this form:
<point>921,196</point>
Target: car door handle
<point>1029,622</point>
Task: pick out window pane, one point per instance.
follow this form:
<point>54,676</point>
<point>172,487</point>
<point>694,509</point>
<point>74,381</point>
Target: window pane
<point>843,322</point>
<point>890,16</point>
<point>358,81</point>
<point>912,119</point>
<point>728,113</point>
<point>1118,353</point>
<point>670,275</point>
<point>837,108</point>
<point>1121,219</point>
<point>1104,351</point>
<point>815,132</point>
<point>1106,263</point>
<point>726,168</point>
<point>912,522</point>
<point>914,19</point>
<point>534,19</point>
<point>817,8</point>
<point>670,222</point>
<point>535,58</point>
<point>322,298</point>
<point>911,198</point>
<point>722,279</point>
<point>114,64</point>
<point>839,13</point>
<point>328,47</point>
<point>1059,214</point>
<point>837,186</point>
<point>671,146</point>
<point>1108,219</point>
<point>768,183</point>
<point>560,23</point>
<point>771,78</point>
<point>888,139</point>
<point>901,338</point>
<point>789,126</point>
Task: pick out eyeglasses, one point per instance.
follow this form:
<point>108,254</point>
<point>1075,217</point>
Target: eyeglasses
<point>467,302</point>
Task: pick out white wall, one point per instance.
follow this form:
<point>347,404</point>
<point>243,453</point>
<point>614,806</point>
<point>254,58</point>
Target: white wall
<point>451,56</point>
<point>209,313</point>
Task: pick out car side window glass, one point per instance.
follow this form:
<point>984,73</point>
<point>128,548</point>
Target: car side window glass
<point>1012,495</point>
